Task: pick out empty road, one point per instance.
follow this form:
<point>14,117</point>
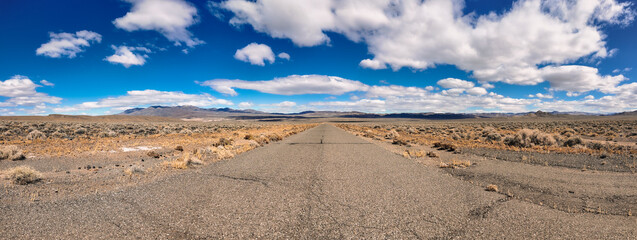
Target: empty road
<point>320,184</point>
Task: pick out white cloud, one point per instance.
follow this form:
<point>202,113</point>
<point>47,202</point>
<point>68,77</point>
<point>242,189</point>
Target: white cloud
<point>496,47</point>
<point>68,44</point>
<point>579,78</point>
<point>477,91</point>
<point>455,83</point>
<point>284,55</point>
<point>373,64</point>
<point>127,56</point>
<point>245,105</point>
<point>541,95</point>
<point>255,54</point>
<point>487,85</point>
<point>148,97</point>
<point>171,18</point>
<point>46,83</point>
<point>301,21</point>
<point>290,85</point>
<point>21,91</point>
<point>285,104</point>
<point>395,90</point>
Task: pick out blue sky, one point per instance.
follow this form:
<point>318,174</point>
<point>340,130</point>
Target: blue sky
<point>102,57</point>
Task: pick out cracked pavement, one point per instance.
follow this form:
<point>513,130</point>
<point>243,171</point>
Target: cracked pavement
<point>320,184</point>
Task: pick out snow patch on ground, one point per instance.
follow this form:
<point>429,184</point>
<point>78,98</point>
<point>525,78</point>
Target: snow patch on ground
<point>139,148</point>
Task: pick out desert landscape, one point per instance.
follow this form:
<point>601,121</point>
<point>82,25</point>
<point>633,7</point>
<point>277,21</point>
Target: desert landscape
<point>318,119</point>
<point>579,166</point>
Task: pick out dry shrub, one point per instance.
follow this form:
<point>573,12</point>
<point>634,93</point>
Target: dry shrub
<point>275,137</point>
<point>411,153</point>
<point>109,133</point>
<point>445,146</point>
<point>224,142</point>
<point>35,134</point>
<point>153,154</point>
<point>572,142</point>
<point>530,138</point>
<point>133,170</point>
<point>455,164</point>
<point>491,135</point>
<point>11,152</point>
<point>392,134</point>
<point>432,155</point>
<point>492,188</point>
<point>58,134</point>
<point>400,142</point>
<point>23,175</point>
<point>185,161</point>
<point>80,131</point>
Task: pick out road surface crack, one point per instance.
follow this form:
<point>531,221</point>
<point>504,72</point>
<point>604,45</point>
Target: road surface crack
<point>249,179</point>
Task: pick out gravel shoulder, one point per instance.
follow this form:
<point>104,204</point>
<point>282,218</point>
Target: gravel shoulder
<point>550,180</point>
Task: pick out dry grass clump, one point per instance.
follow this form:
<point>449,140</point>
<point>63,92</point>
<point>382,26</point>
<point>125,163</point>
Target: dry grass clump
<point>573,141</point>
<point>153,154</point>
<point>529,138</point>
<point>399,141</point>
<point>35,134</point>
<point>492,188</point>
<point>185,161</point>
<point>412,153</point>
<point>23,175</point>
<point>133,170</point>
<point>445,146</point>
<point>11,152</point>
<point>456,164</point>
<point>432,155</point>
<point>224,142</point>
<point>392,134</point>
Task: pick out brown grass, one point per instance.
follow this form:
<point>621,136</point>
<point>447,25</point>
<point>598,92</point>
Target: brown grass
<point>492,188</point>
<point>11,152</point>
<point>23,175</point>
<point>560,136</point>
<point>456,164</point>
<point>134,170</point>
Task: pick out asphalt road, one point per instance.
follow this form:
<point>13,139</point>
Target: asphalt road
<point>320,184</point>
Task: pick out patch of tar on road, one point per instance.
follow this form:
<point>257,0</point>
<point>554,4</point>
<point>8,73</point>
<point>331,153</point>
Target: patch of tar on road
<point>483,211</point>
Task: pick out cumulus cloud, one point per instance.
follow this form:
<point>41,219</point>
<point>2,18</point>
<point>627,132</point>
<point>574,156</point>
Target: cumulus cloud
<point>496,47</point>
<point>579,78</point>
<point>290,85</point>
<point>245,104</point>
<point>21,91</point>
<point>455,83</point>
<point>540,95</point>
<point>171,18</point>
<point>284,55</point>
<point>46,83</point>
<point>68,44</point>
<point>285,104</point>
<point>373,64</point>
<point>148,97</point>
<point>476,91</point>
<point>128,56</point>
<point>255,54</point>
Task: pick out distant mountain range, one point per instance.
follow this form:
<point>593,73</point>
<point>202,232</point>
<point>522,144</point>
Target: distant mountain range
<point>192,112</point>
